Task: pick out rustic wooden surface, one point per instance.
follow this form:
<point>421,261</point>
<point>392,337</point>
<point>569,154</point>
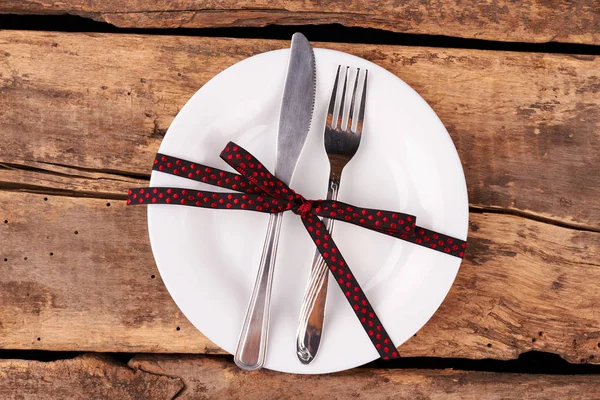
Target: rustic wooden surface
<point>526,125</point>
<point>213,378</point>
<point>83,378</point>
<point>199,377</point>
<point>95,291</point>
<point>82,115</point>
<point>504,20</point>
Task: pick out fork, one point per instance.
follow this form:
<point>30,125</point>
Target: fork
<point>341,144</point>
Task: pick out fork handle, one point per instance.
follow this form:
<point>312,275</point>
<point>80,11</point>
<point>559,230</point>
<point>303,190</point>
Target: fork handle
<point>252,343</point>
<point>312,312</point>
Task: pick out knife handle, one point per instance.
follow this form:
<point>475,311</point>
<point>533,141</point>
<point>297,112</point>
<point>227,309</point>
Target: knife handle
<point>312,312</point>
<point>252,343</point>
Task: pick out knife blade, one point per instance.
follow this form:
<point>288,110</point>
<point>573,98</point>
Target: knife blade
<point>294,123</point>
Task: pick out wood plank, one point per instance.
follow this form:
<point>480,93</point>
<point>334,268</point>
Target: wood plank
<point>504,20</point>
<point>219,378</point>
<point>86,377</point>
<point>79,273</point>
<point>525,125</point>
<point>519,288</point>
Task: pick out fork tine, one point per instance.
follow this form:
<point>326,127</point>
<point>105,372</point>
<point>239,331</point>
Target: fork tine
<point>351,115</point>
<point>342,100</point>
<point>331,107</point>
<point>361,111</point>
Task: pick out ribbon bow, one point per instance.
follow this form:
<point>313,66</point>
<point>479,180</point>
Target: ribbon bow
<point>259,190</point>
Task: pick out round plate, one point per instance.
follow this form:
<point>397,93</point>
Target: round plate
<point>407,162</point>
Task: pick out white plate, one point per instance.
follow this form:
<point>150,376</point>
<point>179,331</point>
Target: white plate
<point>407,162</point>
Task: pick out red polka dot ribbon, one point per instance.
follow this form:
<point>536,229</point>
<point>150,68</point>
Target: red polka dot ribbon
<point>256,189</point>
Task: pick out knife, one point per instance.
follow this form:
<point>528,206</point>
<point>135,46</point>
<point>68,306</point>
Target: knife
<point>294,123</point>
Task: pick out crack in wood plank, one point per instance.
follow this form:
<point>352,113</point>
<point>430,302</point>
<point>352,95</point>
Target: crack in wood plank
<point>64,180</point>
<point>64,171</point>
<point>219,378</point>
<point>532,216</point>
<point>137,179</point>
<point>112,172</point>
<point>502,20</point>
<point>219,10</point>
<point>60,193</point>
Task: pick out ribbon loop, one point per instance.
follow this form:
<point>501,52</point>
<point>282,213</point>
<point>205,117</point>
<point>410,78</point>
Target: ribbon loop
<point>255,172</point>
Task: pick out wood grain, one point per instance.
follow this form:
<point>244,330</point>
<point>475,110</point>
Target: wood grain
<point>79,275</point>
<point>83,378</point>
<point>504,20</point>
<point>214,378</point>
<point>90,110</point>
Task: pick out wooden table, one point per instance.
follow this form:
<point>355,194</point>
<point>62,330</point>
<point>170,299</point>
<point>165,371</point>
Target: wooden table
<point>82,115</point>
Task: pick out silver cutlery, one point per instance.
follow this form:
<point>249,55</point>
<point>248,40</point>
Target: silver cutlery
<point>294,123</point>
<point>341,144</point>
